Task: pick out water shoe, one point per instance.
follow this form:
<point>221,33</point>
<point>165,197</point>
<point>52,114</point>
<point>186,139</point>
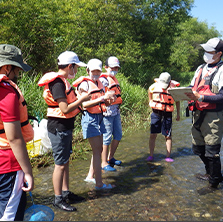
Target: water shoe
<point>104,187</point>
<point>150,158</point>
<point>108,168</point>
<point>88,180</point>
<point>169,160</point>
<point>113,161</point>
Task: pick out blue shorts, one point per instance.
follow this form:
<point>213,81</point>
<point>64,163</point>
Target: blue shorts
<point>92,125</point>
<point>61,146</point>
<point>13,198</point>
<point>113,127</point>
<point>160,123</point>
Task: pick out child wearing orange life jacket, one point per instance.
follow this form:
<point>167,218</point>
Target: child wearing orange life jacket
<point>63,106</point>
<point>112,117</point>
<point>92,120</point>
<point>162,105</point>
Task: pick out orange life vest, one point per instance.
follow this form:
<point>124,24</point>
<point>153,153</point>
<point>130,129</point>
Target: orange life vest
<point>203,87</point>
<point>53,109</point>
<point>113,84</point>
<point>27,130</point>
<point>162,100</point>
<point>95,91</point>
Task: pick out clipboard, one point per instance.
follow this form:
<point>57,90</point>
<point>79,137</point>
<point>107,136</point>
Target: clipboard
<point>178,93</point>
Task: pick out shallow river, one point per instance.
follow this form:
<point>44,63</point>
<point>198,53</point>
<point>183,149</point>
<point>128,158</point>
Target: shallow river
<point>157,191</point>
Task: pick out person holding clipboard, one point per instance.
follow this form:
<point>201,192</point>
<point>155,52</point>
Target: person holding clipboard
<point>207,130</point>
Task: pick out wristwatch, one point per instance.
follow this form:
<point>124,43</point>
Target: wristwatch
<point>200,98</point>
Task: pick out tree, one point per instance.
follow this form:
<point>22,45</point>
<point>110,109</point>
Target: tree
<point>186,53</point>
<point>145,35</point>
<point>26,25</point>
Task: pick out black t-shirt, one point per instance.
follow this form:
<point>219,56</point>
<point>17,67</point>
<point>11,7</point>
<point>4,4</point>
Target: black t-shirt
<point>57,88</point>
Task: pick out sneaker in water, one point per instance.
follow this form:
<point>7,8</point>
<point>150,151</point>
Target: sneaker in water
<point>71,197</point>
<point>63,205</point>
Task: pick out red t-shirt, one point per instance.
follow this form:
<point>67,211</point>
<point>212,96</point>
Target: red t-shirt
<point>9,111</point>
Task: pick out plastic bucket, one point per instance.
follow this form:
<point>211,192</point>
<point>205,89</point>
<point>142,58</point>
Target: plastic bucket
<point>33,147</point>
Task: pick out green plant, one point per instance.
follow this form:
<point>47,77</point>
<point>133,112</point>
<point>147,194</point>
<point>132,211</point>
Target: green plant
<point>33,95</point>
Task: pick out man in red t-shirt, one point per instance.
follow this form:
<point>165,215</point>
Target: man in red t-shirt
<point>15,167</point>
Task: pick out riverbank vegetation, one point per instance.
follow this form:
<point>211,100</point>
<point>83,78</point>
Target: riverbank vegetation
<point>148,37</point>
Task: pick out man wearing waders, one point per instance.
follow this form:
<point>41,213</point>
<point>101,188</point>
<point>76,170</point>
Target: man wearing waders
<point>207,127</point>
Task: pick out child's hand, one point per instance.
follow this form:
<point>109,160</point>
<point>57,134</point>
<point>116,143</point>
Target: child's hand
<point>85,96</point>
<point>108,102</point>
<point>112,100</point>
<point>110,95</point>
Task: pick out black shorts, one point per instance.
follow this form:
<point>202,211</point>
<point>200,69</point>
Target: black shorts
<point>161,123</point>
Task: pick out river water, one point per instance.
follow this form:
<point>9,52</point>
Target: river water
<point>157,191</point>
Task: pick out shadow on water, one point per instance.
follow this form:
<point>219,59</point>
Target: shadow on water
<point>155,191</point>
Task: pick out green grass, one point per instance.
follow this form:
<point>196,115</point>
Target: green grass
<point>33,95</point>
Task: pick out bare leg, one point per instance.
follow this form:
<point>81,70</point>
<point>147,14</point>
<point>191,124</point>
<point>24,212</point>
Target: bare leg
<point>114,146</point>
<point>58,175</point>
<point>96,145</point>
<point>91,170</point>
<point>104,156</point>
<point>65,185</point>
<point>152,142</point>
<point>168,146</point>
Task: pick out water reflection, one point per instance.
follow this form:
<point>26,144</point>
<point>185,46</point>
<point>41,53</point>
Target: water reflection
<point>157,191</point>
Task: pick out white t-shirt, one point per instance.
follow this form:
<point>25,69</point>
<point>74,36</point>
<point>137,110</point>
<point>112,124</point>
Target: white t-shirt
<point>84,86</point>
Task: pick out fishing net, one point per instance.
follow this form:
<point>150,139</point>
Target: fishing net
<point>39,213</point>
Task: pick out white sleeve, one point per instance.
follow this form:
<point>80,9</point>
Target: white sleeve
<point>83,86</point>
<point>104,81</point>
